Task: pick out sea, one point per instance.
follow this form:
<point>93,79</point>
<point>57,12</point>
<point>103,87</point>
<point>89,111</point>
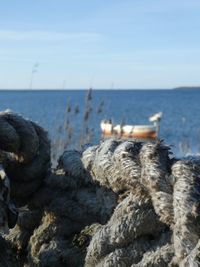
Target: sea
<point>179,128</point>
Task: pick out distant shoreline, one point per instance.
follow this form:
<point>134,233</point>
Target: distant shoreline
<point>187,88</point>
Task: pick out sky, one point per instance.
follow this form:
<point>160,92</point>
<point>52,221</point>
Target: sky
<point>132,44</point>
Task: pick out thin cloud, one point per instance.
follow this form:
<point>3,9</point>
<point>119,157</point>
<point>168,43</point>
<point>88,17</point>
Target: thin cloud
<point>8,35</point>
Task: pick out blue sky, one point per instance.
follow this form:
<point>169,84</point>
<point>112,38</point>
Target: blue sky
<point>104,44</point>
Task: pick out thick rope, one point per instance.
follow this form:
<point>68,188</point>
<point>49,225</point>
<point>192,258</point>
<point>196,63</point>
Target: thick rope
<point>125,204</point>
<point>171,187</point>
<point>27,150</point>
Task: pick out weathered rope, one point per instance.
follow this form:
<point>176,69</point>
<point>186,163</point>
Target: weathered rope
<point>186,203</point>
<point>25,162</point>
<point>8,212</point>
<point>171,187</point>
<point>67,201</point>
<point>27,150</point>
<point>124,204</point>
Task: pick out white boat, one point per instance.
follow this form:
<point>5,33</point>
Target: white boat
<point>133,131</point>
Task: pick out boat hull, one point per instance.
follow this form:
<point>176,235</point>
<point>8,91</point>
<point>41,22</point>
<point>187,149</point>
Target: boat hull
<point>142,132</point>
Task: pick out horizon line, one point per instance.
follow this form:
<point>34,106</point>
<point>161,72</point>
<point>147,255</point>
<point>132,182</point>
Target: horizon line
<point>80,89</point>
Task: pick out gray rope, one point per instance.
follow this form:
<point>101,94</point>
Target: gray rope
<point>125,204</point>
<point>27,150</point>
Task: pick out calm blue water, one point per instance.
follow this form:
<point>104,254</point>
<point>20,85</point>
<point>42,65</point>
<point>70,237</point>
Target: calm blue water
<point>180,126</point>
